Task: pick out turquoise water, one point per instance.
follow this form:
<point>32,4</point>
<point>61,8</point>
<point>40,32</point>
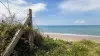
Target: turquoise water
<point>73,29</point>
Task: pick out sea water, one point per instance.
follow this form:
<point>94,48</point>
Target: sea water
<point>72,29</point>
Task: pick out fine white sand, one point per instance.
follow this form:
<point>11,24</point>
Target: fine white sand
<point>72,37</point>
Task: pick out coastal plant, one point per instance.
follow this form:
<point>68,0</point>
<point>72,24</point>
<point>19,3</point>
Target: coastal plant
<point>6,33</point>
<point>8,27</point>
<point>64,48</point>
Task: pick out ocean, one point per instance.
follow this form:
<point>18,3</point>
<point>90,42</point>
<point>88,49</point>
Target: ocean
<point>72,29</point>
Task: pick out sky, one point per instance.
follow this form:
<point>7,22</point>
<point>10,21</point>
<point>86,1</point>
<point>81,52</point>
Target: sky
<point>56,12</point>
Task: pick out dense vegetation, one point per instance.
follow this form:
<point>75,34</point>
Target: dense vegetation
<point>63,48</point>
<point>7,31</point>
<point>48,46</point>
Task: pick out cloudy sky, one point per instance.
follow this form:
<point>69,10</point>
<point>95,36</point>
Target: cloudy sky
<point>57,12</point>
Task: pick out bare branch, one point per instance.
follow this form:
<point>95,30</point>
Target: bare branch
<point>7,8</point>
<point>8,5</point>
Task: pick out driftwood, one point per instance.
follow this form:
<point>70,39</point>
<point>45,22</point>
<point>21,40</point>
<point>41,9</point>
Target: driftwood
<point>17,36</point>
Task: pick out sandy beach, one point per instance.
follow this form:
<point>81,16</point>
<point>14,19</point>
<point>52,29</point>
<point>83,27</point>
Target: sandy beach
<point>72,37</point>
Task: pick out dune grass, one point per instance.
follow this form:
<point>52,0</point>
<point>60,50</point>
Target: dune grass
<point>6,33</point>
<point>63,48</point>
<point>50,47</point>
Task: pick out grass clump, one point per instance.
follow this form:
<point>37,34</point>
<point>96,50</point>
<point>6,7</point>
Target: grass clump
<point>7,31</point>
<point>63,48</point>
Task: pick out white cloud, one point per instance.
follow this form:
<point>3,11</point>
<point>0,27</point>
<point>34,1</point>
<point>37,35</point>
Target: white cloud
<point>18,2</point>
<point>79,5</point>
<point>38,7</point>
<point>21,6</point>
<point>79,21</point>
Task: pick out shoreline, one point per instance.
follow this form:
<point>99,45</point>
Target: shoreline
<point>72,34</point>
<point>72,37</point>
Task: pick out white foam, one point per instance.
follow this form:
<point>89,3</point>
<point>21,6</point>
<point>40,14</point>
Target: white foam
<point>71,34</point>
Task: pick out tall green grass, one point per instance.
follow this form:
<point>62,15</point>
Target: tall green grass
<point>63,48</point>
